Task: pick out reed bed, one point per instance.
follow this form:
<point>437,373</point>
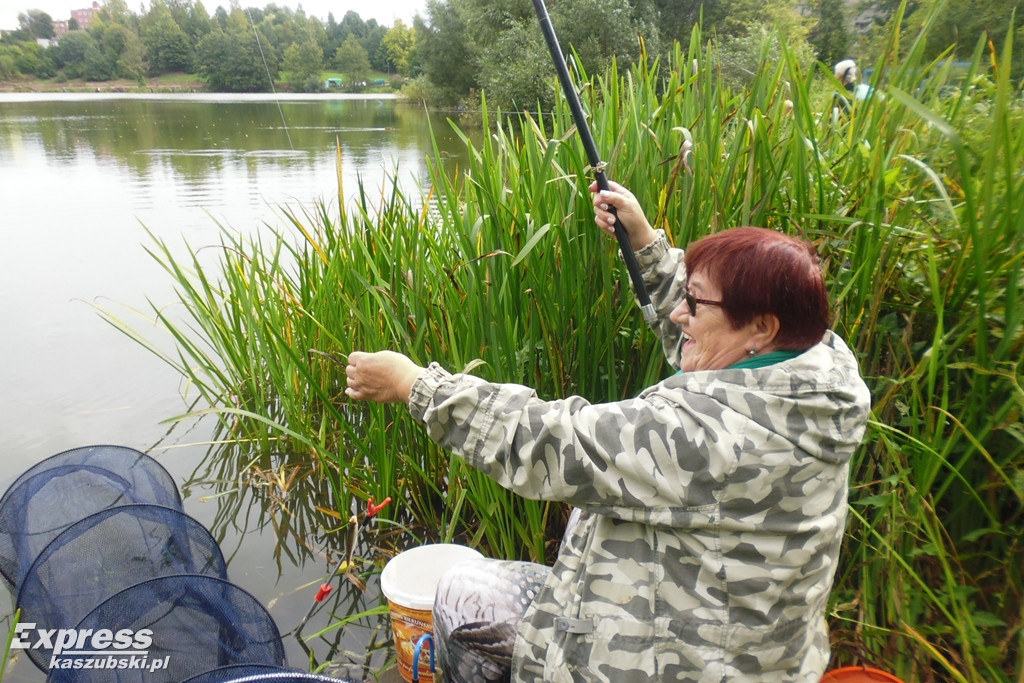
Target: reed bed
<point>914,199</point>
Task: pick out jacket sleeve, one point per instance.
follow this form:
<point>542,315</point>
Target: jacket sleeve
<point>664,275</point>
<point>642,459</point>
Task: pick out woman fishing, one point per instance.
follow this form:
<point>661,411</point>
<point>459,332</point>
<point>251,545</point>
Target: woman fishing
<point>710,508</point>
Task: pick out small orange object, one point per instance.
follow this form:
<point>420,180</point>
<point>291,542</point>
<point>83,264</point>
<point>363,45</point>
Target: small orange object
<point>372,510</point>
<point>858,674</point>
<point>325,590</point>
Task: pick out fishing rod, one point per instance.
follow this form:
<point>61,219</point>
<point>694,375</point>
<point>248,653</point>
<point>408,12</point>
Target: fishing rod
<point>628,256</point>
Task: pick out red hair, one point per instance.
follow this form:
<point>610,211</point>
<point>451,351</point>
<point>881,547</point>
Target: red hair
<point>762,271</point>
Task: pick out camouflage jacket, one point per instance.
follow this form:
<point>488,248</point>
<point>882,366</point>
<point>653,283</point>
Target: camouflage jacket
<point>715,501</point>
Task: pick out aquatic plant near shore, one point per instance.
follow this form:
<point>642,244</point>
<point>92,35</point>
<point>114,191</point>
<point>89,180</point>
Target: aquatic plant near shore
<point>914,199</point>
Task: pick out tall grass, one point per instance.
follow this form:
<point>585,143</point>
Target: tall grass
<point>914,199</point>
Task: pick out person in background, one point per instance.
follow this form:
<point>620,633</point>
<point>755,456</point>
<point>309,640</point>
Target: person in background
<point>709,509</point>
<point>847,73</point>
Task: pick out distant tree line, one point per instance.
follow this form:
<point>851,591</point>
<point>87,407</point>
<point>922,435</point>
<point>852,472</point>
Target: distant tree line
<point>234,50</point>
<point>463,47</point>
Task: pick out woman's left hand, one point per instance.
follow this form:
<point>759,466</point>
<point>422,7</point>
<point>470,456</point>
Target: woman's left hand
<point>383,377</point>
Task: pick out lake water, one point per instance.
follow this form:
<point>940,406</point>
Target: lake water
<point>82,177</point>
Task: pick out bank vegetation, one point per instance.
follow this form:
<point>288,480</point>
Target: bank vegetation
<point>914,196</point>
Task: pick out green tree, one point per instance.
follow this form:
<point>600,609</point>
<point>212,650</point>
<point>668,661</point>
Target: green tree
<point>221,17</point>
<point>830,35</point>
<point>8,62</point>
<point>36,24</point>
<point>373,43</point>
<point>29,58</point>
<point>179,10</point>
<point>753,56</point>
<point>302,63</point>
<point>447,55</point>
<point>197,24</point>
<point>97,66</point>
<point>117,12</point>
<point>370,35</point>
<point>883,11</point>
<point>471,44</point>
<point>965,22</point>
<point>167,46</point>
<point>602,30</point>
<point>281,26</point>
<point>516,73</point>
<point>352,59</point>
<point>314,28</point>
<point>676,18</point>
<point>399,43</point>
<point>719,18</point>
<point>46,67</point>
<point>231,61</point>
<point>101,64</point>
<point>351,25</point>
<point>125,52</point>
<point>71,53</point>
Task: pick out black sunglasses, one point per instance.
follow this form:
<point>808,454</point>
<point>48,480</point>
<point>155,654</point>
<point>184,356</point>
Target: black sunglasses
<point>692,301</point>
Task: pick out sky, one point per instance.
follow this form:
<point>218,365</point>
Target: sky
<point>384,11</point>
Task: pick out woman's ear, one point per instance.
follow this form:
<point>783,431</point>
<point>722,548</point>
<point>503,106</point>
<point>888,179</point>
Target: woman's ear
<point>764,329</point>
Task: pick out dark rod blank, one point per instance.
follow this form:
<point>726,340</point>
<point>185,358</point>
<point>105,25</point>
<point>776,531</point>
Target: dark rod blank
<point>628,257</point>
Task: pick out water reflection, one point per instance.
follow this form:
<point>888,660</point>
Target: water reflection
<point>79,178</point>
<point>211,145</point>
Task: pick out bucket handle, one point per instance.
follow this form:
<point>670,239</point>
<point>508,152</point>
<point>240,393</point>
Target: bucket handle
<point>426,637</point>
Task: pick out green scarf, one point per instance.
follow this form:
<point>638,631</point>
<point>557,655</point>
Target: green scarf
<point>751,362</point>
<point>765,360</point>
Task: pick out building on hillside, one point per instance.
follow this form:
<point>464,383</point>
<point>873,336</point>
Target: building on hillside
<point>84,16</point>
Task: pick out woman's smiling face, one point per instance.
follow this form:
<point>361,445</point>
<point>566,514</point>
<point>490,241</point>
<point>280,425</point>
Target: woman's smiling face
<point>712,342</point>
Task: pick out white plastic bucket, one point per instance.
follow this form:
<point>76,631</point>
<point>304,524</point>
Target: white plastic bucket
<point>409,582</point>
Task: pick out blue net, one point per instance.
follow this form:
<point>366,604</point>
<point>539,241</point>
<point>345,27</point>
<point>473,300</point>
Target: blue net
<point>247,673</point>
<point>180,626</point>
<point>117,583</point>
<point>105,553</point>
<point>67,487</point>
<point>236,672</point>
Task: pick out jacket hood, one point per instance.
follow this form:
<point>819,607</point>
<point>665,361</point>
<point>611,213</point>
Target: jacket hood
<point>817,401</point>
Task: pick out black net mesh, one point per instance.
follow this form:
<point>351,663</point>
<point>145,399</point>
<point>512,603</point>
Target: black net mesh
<point>67,487</point>
<point>105,553</point>
<point>182,626</point>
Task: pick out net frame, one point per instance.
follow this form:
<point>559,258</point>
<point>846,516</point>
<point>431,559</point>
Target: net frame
<point>105,553</point>
<point>253,674</point>
<point>182,612</point>
<point>61,490</point>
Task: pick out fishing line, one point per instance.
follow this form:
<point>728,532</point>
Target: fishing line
<point>270,78</point>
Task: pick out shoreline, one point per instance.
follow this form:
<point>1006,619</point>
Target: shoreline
<point>54,96</point>
<point>157,87</point>
<point>116,86</point>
